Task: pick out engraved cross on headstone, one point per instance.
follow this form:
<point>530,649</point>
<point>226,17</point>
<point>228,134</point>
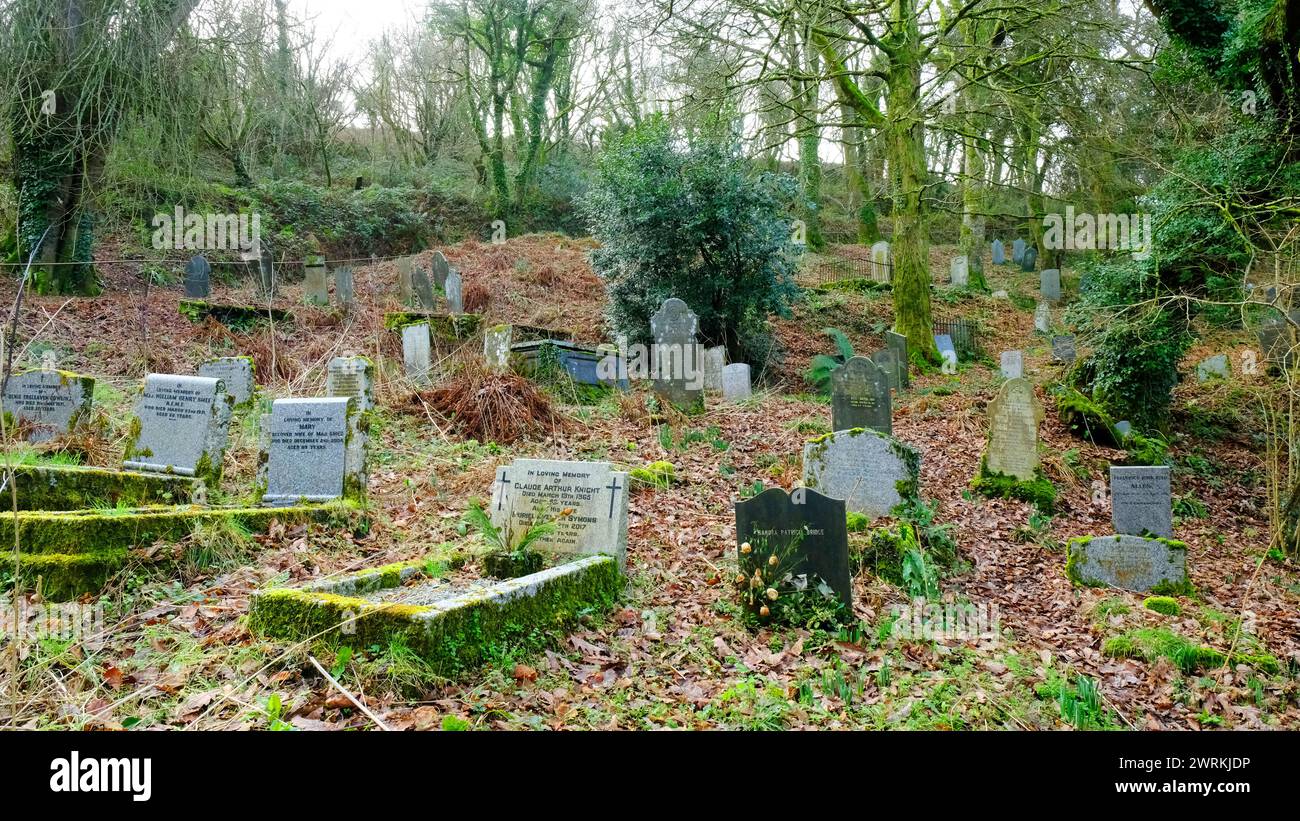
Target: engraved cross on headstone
<point>613,487</point>
<point>502,497</point>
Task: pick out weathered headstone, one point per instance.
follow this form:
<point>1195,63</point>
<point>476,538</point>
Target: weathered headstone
<point>735,382</point>
<point>1018,251</point>
<point>888,362</point>
<point>441,270</point>
<point>947,350</point>
<point>181,426</point>
<point>47,403</point>
<point>416,352</point>
<point>1214,367</point>
<point>1063,348</point>
<point>897,343</point>
<point>1277,338</point>
<point>353,376</point>
<point>1141,502</point>
<point>1043,318</point>
<point>315,284</point>
<point>344,287</point>
<point>1127,562</point>
<point>423,289</point>
<point>1123,427</point>
<point>1049,284</point>
<point>596,493</point>
<point>999,252</point>
<point>714,360</point>
<point>198,278</point>
<point>1029,262</point>
<point>959,271</point>
<point>871,471</point>
<point>805,530</point>
<point>1014,416</point>
<point>309,459</point>
<point>963,332</point>
<point>266,274</point>
<point>236,372</point>
<point>1013,364</point>
<point>496,348</point>
<point>405,287</point>
<point>678,377</point>
<point>880,262</point>
<point>860,396</point>
<point>452,288</point>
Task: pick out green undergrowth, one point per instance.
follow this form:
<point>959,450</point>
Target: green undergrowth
<point>1038,491</point>
<point>1152,643</point>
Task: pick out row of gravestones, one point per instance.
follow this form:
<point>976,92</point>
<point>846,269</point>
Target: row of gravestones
<point>316,291</point>
<point>1022,254</point>
<point>314,447</point>
<point>415,287</point>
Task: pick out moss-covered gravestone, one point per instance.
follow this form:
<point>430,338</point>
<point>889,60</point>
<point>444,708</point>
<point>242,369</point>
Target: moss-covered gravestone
<point>237,374</point>
<point>405,289</point>
<point>805,531</point>
<point>871,471</point>
<point>1128,562</point>
<point>496,348</point>
<point>1014,417</point>
<point>315,454</point>
<point>46,403</point>
<point>181,426</point>
<point>678,371</point>
<point>860,396</point>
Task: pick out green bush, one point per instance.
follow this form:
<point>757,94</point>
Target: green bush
<point>683,215</point>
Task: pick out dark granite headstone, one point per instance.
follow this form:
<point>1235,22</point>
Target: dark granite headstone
<point>860,396</point>
<point>1029,262</point>
<point>198,278</point>
<point>888,362</point>
<point>814,524</point>
<point>1049,284</point>
<point>1140,501</point>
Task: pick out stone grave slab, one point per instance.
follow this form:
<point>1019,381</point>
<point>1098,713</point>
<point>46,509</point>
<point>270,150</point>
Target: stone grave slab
<point>1063,348</point>
<point>677,356</point>
<point>714,360</point>
<point>897,343</point>
<point>416,352</point>
<point>315,284</point>
<point>1049,284</point>
<point>999,253</point>
<point>237,374</point>
<point>735,382</point>
<point>353,376</point>
<point>860,396</point>
<point>594,491</point>
<point>308,460</point>
<point>1128,562</point>
<point>181,426</point>
<point>805,527</point>
<point>1014,417</point>
<point>47,403</point>
<point>1013,364</point>
<point>1141,503</point>
<point>452,289</point>
<point>496,348</point>
<point>198,278</point>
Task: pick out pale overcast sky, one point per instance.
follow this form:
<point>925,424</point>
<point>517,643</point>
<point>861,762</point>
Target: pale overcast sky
<point>351,24</point>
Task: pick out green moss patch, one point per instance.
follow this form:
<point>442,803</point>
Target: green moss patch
<point>656,474</point>
<point>69,487</point>
<point>442,327</point>
<point>89,531</point>
<point>1151,643</point>
<point>1165,605</point>
<point>1038,491</point>
<point>1086,419</point>
<point>64,576</point>
<point>237,317</point>
<point>452,634</point>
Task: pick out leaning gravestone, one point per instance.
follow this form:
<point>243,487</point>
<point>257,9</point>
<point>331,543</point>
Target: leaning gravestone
<point>353,376</point>
<point>1214,367</point>
<point>344,288</point>
<point>1140,501</point>
<point>947,350</point>
<point>887,360</point>
<point>594,491</point>
<point>1013,364</point>
<point>714,360</point>
<point>315,285</point>
<point>860,396</point>
<point>405,288</point>
<point>677,355</point>
<point>415,352</point>
<point>181,426</point>
<point>1043,318</point>
<point>959,271</point>
<point>805,530</point>
<point>999,253</point>
<point>236,372</point>
<point>897,343</point>
<point>423,289</point>
<point>871,471</point>
<point>496,348</point>
<point>1029,262</point>
<point>1049,284</point>
<point>735,382</point>
<point>312,457</point>
<point>452,288</point>
<point>198,278</point>
<point>48,403</point>
<point>880,265</point>
<point>1127,562</point>
<point>1063,349</point>
<point>441,270</point>
<point>1018,251</point>
<point>1014,416</point>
